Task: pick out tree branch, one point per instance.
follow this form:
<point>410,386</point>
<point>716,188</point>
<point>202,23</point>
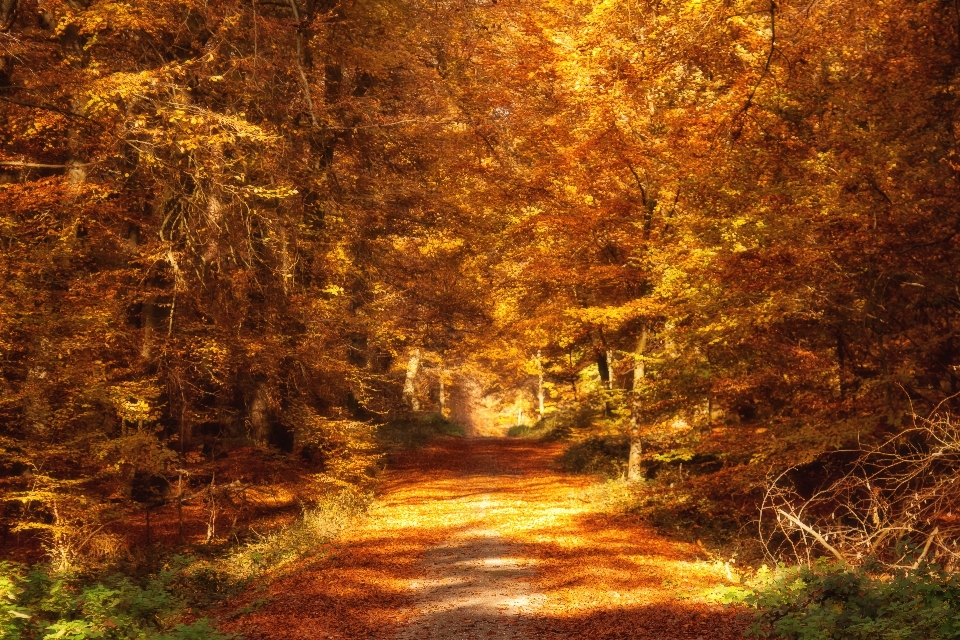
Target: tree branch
<point>926,547</point>
<point>303,75</point>
<point>766,67</point>
<point>814,533</point>
<point>46,107</point>
<point>41,165</point>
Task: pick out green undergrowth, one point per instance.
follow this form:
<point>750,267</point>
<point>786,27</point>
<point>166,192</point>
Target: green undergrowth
<point>165,598</point>
<point>544,429</point>
<point>832,601</point>
<point>416,430</point>
<point>562,425</point>
<point>36,603</point>
<point>270,554</point>
<point>523,431</point>
<point>605,456</point>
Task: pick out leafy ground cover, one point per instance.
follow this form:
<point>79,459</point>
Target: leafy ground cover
<point>37,604</point>
<point>415,430</point>
<point>830,600</point>
<point>168,602</point>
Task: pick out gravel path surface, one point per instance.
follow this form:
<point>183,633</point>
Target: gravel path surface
<point>483,539</point>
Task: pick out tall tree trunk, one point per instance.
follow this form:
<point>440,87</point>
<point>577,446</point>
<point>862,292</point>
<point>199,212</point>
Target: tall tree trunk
<point>180,506</point>
<point>540,392</point>
<point>259,414</point>
<point>150,321</point>
<point>305,83</point>
<point>410,384</point>
<point>443,393</point>
<point>610,375</point>
<point>634,471</point>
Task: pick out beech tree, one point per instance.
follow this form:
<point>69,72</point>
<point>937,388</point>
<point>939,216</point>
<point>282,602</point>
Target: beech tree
<point>731,222</point>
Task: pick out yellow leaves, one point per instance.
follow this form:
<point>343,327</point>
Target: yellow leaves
<point>613,317</point>
<point>271,193</point>
<point>112,16</point>
<point>212,357</point>
<point>429,247</point>
<point>135,402</point>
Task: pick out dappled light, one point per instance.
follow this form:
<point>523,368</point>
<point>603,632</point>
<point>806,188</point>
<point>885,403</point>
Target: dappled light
<point>483,538</point>
<point>479,318</point>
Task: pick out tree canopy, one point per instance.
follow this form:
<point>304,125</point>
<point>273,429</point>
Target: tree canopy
<point>731,225</point>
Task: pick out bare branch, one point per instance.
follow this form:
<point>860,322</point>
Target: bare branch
<point>926,547</point>
<point>814,533</point>
<point>41,165</point>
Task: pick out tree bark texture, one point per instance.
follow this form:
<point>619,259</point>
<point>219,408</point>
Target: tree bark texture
<point>410,384</point>
<point>634,471</point>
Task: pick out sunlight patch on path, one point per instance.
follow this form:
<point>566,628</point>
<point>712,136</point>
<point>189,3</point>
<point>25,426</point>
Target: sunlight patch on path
<point>478,539</point>
<point>477,587</point>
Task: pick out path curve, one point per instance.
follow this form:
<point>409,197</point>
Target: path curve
<point>483,539</point>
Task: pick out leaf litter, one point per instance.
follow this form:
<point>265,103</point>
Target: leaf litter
<point>483,538</point>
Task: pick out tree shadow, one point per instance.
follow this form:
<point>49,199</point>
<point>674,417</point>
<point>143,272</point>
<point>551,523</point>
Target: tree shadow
<point>482,539</point>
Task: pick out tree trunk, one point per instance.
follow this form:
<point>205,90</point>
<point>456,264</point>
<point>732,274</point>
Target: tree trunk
<point>634,472</point>
<point>180,506</point>
<point>610,375</point>
<point>307,95</point>
<point>539,386</point>
<point>410,384</point>
<point>603,359</point>
<point>443,394</point>
<point>149,321</point>
<point>259,414</point>
<point>212,505</point>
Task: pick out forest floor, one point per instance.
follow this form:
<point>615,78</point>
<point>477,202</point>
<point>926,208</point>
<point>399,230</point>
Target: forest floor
<point>482,538</point>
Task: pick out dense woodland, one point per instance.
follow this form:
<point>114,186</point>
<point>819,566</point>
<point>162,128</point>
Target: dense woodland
<point>724,232</point>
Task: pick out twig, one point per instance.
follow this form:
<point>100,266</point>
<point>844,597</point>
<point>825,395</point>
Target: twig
<point>303,75</point>
<point>395,123</point>
<point>766,66</point>
<point>926,547</point>
<point>41,165</point>
<point>62,112</point>
<point>814,533</point>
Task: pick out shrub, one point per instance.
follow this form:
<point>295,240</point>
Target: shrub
<point>560,425</point>
<point>829,600</point>
<point>35,605</point>
<point>273,552</point>
<point>521,431</point>
<point>417,430</point>
<point>605,456</point>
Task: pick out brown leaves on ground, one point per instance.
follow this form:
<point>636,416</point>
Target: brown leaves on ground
<point>481,538</point>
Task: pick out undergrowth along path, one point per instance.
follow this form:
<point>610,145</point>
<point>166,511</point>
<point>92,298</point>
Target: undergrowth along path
<point>483,538</point>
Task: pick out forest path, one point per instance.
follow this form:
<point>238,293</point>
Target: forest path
<point>482,538</point>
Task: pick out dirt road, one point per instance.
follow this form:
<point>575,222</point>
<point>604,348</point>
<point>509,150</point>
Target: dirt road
<point>483,539</point>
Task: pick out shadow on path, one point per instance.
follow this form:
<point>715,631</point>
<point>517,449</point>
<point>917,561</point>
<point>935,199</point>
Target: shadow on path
<point>482,538</point>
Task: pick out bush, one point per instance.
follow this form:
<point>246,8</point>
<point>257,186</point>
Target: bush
<point>417,430</point>
<point>605,456</point>
<point>557,426</point>
<point>35,605</point>
<point>545,429</point>
<point>829,600</point>
<point>521,431</point>
<point>273,552</point>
